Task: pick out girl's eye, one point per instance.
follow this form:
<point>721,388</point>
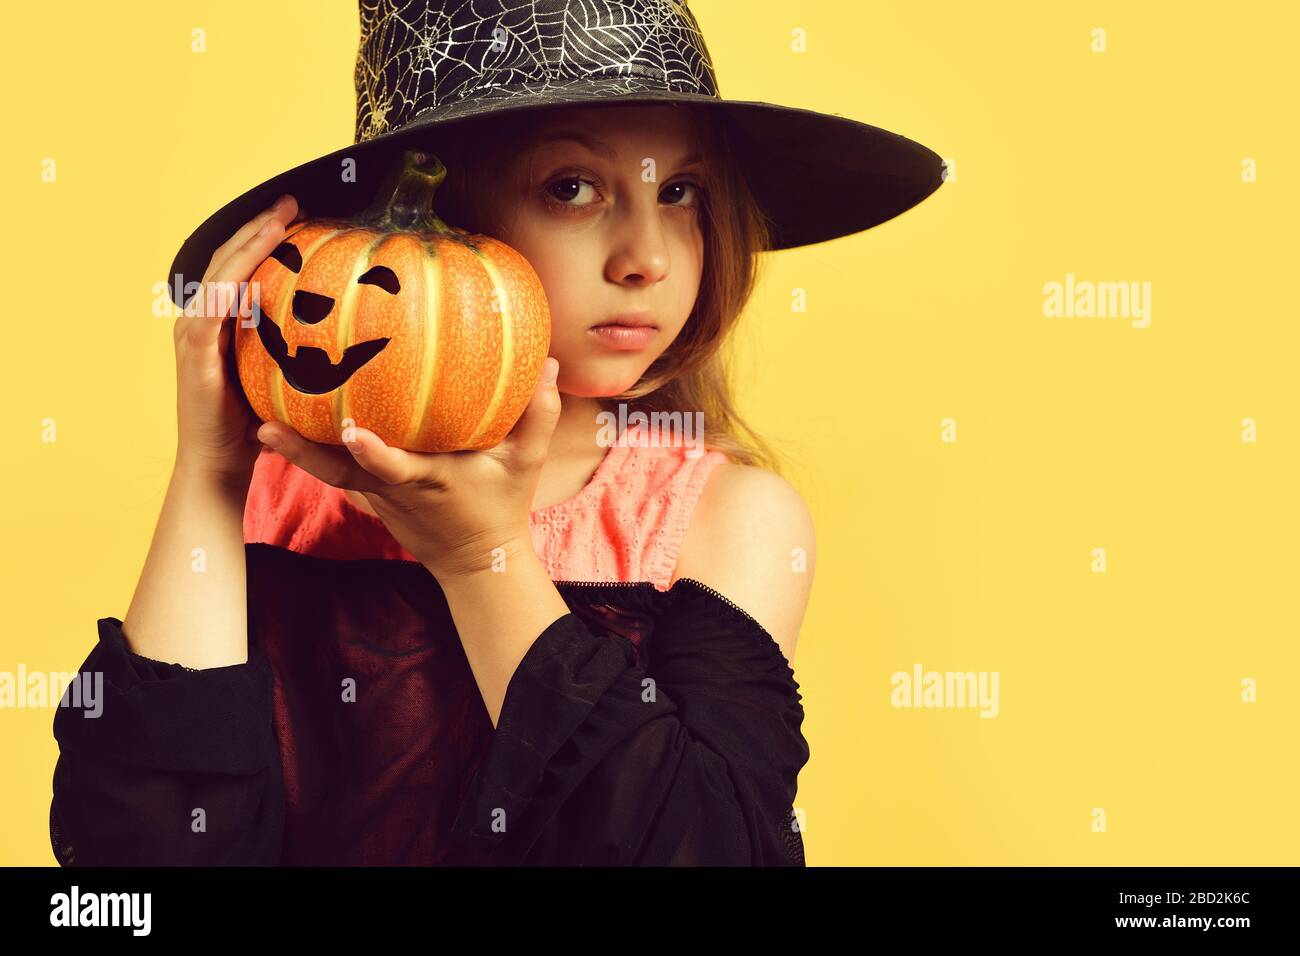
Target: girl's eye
<point>563,191</point>
<point>694,193</point>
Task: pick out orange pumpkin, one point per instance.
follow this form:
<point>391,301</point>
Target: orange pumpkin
<point>432,338</point>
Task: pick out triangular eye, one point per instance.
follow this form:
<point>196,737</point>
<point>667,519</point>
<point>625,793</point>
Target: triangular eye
<point>383,277</point>
<point>287,254</point>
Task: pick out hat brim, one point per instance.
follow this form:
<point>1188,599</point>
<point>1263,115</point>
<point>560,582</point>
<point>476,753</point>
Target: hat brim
<point>818,176</point>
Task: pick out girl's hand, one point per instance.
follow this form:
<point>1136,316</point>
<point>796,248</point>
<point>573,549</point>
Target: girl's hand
<point>451,510</point>
<point>216,426</point>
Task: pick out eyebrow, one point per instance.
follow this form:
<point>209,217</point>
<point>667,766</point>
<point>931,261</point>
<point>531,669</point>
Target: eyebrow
<point>599,146</point>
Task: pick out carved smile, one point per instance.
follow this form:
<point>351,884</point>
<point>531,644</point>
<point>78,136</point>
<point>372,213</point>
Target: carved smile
<point>310,370</point>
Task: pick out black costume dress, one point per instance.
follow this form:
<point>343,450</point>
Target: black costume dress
<point>644,727</point>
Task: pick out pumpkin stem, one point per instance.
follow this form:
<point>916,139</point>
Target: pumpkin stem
<point>405,201</point>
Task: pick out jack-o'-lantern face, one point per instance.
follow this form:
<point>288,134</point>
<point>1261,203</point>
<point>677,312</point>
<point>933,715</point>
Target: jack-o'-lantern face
<point>429,336</point>
<point>309,369</point>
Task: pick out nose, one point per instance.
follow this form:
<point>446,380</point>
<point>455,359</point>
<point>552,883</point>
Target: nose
<point>311,307</point>
<point>641,254</point>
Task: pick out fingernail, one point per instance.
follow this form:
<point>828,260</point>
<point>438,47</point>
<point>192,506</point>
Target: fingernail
<point>550,371</point>
<point>270,440</point>
<point>266,227</point>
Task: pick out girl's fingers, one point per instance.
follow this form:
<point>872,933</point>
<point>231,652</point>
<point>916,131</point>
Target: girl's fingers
<point>212,305</point>
<point>200,323</point>
<point>280,209</point>
<point>203,329</point>
<point>530,438</point>
<point>393,466</point>
<point>331,464</point>
<point>243,262</point>
<point>218,298</point>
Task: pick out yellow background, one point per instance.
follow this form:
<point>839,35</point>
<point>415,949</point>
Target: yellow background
<point>1118,690</point>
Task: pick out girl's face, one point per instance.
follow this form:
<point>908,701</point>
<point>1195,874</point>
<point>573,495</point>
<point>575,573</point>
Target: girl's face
<point>606,206</point>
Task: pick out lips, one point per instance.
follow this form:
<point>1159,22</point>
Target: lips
<point>637,321</point>
<point>310,369</point>
<point>624,338</point>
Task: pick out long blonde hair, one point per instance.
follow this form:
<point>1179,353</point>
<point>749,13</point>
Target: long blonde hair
<point>693,373</point>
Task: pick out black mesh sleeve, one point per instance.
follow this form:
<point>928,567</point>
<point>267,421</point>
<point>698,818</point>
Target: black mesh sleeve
<point>161,764</point>
<point>688,756</point>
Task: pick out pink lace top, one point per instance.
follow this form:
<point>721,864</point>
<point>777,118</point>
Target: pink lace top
<point>626,524</point>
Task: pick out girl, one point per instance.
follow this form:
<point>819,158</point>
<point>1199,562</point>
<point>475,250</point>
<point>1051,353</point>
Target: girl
<point>554,651</point>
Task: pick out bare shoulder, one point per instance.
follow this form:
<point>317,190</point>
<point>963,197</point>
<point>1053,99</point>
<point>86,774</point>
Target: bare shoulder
<point>751,539</point>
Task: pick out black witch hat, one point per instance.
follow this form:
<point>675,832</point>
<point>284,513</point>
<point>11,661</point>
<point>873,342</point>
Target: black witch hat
<point>426,64</point>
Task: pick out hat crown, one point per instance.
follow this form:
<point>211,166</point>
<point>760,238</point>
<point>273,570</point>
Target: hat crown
<point>416,56</point>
